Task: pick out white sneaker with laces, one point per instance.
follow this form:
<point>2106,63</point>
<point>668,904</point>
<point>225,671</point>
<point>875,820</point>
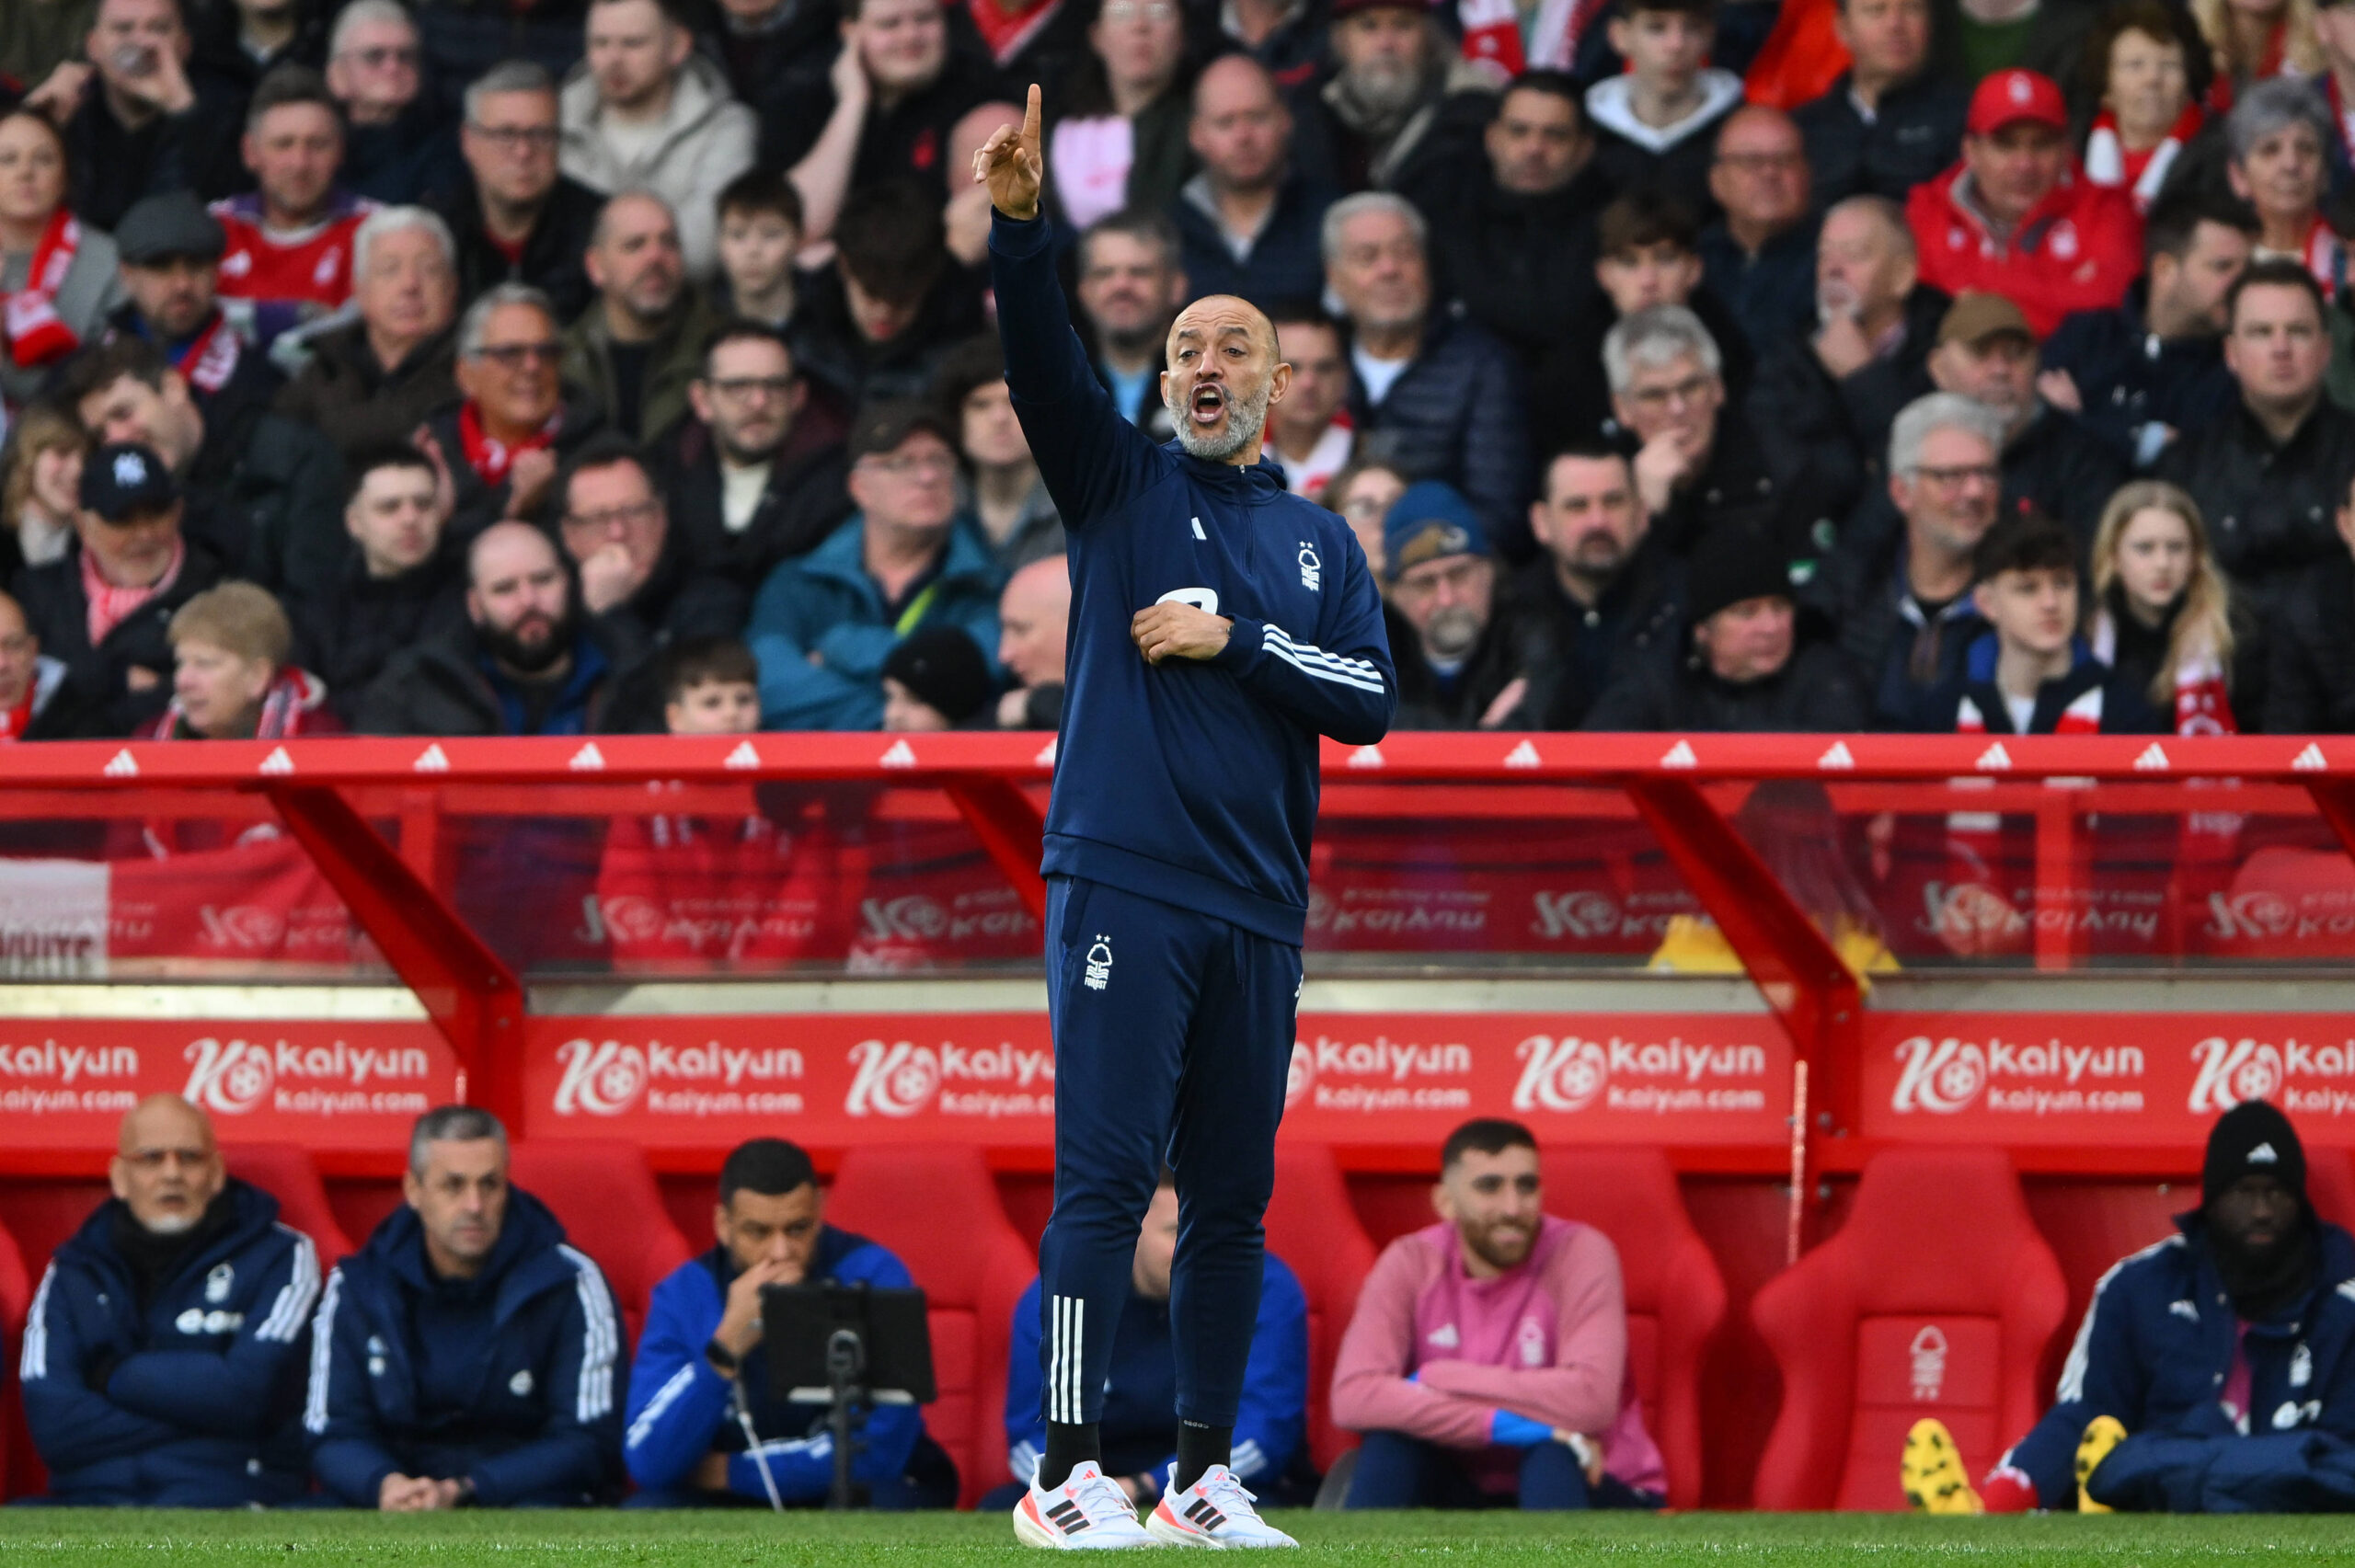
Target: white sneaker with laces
<point>1087,1513</point>
<point>1215,1512</point>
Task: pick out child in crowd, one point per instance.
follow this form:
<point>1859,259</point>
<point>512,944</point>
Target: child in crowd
<point>2032,674</point>
<point>1658,123</point>
<point>760,230</point>
<point>2162,609</point>
<point>710,686</point>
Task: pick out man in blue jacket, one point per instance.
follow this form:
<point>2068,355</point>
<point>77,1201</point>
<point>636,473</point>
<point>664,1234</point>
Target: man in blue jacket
<point>824,623</point>
<point>465,1356</point>
<point>2215,1370</point>
<point>704,1427</point>
<point>163,1357</point>
<point>1219,626</point>
<point>1140,1400</point>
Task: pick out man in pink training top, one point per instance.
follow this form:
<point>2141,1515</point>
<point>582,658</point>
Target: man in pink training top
<point>1488,1361</point>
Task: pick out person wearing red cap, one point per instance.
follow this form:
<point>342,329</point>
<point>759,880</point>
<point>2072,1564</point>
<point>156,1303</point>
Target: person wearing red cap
<point>2016,217</point>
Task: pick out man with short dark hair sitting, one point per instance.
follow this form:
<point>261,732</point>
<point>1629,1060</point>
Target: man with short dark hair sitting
<point>162,1359</point>
<point>706,1428</point>
<point>1488,1358</point>
<point>467,1355</point>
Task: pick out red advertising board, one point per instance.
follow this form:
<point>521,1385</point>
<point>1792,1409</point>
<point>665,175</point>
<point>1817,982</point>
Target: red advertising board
<point>2096,1079</point>
<point>836,1080</point>
<point>65,1083</point>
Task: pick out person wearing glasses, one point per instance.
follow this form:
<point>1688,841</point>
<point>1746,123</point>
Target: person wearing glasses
<point>515,217</point>
<point>398,146</point>
<point>516,421</point>
<point>823,625</point>
<point>755,477</point>
<point>1903,601</point>
<point>162,1359</point>
<point>1698,472</point>
<point>641,343</point>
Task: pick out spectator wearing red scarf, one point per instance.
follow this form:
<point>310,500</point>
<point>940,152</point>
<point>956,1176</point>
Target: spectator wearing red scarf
<point>57,277</point>
<point>28,680</point>
<point>234,677</point>
<point>501,445</point>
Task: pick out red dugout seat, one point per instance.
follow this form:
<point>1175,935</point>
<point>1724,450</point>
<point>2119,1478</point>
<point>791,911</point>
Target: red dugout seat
<point>16,1299</point>
<point>605,1196</point>
<point>1938,1298</point>
<point>1675,1297</point>
<point>286,1173</point>
<point>936,1207</point>
<point>1312,1227</point>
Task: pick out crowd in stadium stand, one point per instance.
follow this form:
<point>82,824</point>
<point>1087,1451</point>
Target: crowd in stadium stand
<point>183,1350</point>
<point>494,368</point>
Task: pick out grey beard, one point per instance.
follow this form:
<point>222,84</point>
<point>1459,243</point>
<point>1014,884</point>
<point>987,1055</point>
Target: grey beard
<point>170,1224</point>
<point>1453,632</point>
<point>1380,95</point>
<point>1245,417</point>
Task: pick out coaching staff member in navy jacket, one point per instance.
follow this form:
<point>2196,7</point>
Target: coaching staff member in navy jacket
<point>163,1357</point>
<point>699,1398</point>
<point>2215,1371</point>
<point>1219,626</point>
<point>465,1356</point>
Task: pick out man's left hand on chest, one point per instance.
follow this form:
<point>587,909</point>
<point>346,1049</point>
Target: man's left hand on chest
<point>1178,631</point>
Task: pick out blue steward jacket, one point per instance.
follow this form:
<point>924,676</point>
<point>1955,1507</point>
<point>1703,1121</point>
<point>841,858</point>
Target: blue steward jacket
<point>680,1410</point>
<point>508,1378</point>
<point>2154,1349</point>
<point>192,1402</point>
<point>1141,1388</point>
<point>1192,783</point>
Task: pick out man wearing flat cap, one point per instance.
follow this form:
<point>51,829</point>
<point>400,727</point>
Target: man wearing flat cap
<point>1456,667</point>
<point>170,248</point>
<point>2214,1371</point>
<point>104,608</point>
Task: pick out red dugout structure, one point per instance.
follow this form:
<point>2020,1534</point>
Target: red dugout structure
<point>2079,950</point>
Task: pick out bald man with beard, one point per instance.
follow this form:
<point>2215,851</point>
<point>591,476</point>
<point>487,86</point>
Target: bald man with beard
<point>1220,628</point>
<point>165,1354</point>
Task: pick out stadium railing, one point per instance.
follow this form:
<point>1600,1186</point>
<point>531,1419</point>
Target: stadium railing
<point>2077,948</point>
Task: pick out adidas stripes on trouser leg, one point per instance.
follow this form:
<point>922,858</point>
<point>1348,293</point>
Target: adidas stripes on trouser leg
<point>1172,1038</point>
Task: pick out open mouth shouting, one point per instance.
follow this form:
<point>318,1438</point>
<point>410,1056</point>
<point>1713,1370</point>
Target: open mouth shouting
<point>1207,407</point>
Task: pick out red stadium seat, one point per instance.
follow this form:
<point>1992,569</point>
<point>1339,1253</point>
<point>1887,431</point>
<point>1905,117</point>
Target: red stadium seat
<point>936,1207</point>
<point>1675,1297</point>
<point>1938,1298</point>
<point>1312,1227</point>
<point>2330,1184</point>
<point>286,1173</point>
<point>605,1196</point>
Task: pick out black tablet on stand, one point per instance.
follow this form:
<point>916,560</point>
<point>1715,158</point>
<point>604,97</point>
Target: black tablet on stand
<point>844,1347</point>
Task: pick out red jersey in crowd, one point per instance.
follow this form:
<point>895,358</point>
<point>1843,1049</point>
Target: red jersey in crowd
<point>288,273</point>
<point>2080,248</point>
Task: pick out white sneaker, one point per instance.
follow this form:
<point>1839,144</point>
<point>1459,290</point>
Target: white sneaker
<point>1215,1512</point>
<point>1087,1513</point>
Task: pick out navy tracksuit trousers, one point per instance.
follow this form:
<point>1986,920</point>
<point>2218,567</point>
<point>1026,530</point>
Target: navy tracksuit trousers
<point>1173,1041</point>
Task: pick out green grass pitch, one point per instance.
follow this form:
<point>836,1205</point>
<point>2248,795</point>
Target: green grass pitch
<point>71,1537</point>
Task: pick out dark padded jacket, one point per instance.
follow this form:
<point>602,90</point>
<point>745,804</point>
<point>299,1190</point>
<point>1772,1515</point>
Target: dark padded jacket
<point>1916,133</point>
<point>347,395</point>
<point>187,1402</point>
<point>2271,510</point>
<point>2130,378</point>
<point>2310,683</point>
<point>1815,692</point>
<point>1455,413</point>
<point>97,700</point>
<point>512,1378</point>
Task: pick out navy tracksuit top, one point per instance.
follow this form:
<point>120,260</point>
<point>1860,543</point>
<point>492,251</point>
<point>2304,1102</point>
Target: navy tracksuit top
<point>190,1404</point>
<point>1190,782</point>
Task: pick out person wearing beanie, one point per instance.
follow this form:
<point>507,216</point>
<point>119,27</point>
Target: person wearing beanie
<point>2214,1371</point>
<point>1455,670</point>
<point>1752,666</point>
<point>937,680</point>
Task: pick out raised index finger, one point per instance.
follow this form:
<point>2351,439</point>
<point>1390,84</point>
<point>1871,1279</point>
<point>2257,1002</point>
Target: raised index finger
<point>1030,118</point>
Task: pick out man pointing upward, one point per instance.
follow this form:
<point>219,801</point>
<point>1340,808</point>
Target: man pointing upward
<point>1219,625</point>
